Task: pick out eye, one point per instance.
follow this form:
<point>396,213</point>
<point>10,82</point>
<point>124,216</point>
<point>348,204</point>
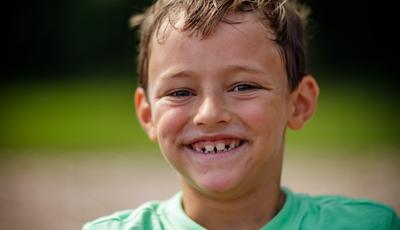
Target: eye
<point>244,87</point>
<point>181,93</point>
<point>246,6</point>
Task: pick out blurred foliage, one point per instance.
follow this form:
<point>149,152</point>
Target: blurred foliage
<point>83,114</point>
<point>70,77</point>
<point>62,37</point>
<point>46,38</point>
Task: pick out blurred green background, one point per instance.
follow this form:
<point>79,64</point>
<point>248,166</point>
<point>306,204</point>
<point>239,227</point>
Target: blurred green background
<point>69,78</point>
<point>71,147</point>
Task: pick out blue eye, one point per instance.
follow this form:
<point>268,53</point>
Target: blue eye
<point>243,87</point>
<point>181,93</point>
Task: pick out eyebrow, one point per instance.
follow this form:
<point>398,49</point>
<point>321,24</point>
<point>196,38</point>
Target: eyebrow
<point>229,69</point>
<point>244,68</point>
<point>171,74</point>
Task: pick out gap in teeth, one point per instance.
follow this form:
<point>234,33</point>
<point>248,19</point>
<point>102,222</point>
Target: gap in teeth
<point>217,147</point>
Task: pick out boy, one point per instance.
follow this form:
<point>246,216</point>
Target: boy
<point>220,80</point>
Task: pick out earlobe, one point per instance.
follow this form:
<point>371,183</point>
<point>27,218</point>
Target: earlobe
<point>143,112</point>
<point>304,102</point>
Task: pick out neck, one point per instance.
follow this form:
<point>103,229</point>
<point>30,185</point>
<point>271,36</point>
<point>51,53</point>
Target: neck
<point>250,211</point>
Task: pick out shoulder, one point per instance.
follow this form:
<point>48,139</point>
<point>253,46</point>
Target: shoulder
<point>338,212</point>
<point>145,216</point>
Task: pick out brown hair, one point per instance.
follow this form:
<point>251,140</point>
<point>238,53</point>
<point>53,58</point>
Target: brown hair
<point>286,19</point>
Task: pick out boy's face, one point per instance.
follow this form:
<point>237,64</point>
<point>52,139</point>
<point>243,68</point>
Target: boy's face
<point>218,107</point>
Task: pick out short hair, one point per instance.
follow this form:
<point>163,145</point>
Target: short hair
<point>286,19</point>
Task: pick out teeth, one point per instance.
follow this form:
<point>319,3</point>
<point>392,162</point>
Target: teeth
<point>215,147</point>
<point>209,148</point>
<point>232,145</point>
<point>220,146</point>
<point>198,149</point>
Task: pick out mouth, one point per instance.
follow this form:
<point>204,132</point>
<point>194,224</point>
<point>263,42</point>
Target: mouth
<point>215,147</point>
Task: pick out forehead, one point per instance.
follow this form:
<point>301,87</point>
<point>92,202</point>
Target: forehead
<point>242,40</point>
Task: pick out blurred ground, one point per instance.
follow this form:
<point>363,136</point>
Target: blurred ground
<point>62,192</point>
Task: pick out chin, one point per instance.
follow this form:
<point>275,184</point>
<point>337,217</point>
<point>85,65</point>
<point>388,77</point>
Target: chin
<point>218,184</point>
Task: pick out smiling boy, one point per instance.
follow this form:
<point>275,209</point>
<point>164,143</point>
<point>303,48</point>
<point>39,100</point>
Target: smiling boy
<point>220,81</point>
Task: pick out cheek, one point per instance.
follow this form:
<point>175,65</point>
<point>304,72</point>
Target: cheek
<point>168,122</point>
<point>261,115</point>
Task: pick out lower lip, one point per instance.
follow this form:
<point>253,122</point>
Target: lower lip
<point>226,154</point>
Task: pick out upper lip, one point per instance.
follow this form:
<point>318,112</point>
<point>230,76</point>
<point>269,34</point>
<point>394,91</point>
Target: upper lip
<point>212,138</point>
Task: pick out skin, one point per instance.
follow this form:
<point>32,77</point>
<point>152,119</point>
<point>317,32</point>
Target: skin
<point>230,86</point>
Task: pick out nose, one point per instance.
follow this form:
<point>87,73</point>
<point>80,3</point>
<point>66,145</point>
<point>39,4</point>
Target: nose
<point>211,112</point>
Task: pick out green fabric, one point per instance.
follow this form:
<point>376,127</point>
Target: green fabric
<point>300,211</point>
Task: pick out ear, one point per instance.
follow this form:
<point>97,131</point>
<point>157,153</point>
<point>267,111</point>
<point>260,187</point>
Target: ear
<point>303,102</point>
<point>143,112</point>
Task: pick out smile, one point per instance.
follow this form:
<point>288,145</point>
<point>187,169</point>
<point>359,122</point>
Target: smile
<point>215,147</point>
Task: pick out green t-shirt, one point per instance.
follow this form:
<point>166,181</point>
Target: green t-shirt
<point>300,211</point>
